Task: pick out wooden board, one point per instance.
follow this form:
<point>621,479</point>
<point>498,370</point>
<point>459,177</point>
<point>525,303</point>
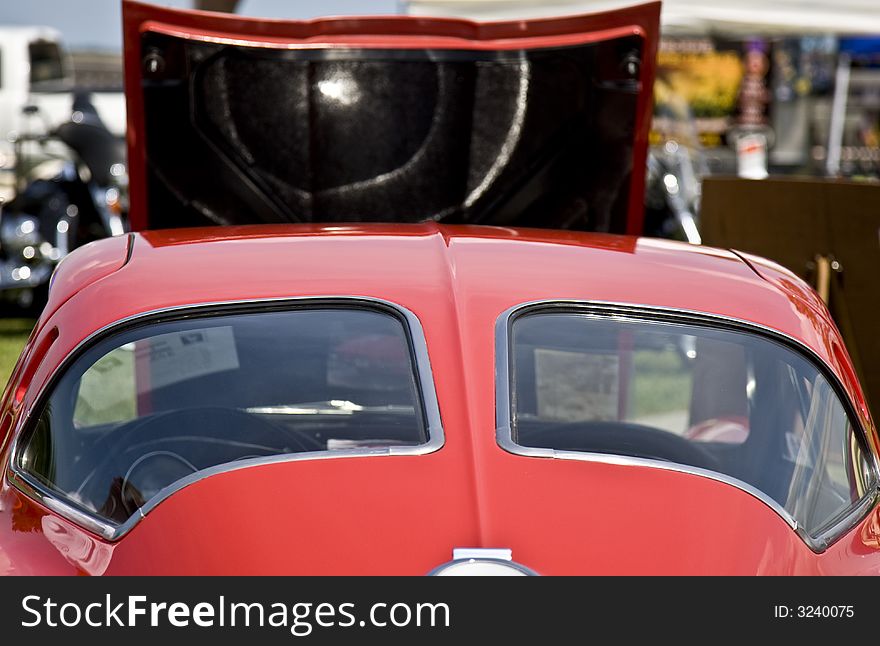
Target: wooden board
<point>794,220</point>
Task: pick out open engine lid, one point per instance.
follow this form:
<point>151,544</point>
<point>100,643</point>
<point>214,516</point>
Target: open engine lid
<point>235,120</point>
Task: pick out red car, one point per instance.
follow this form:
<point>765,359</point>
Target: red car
<point>402,375</point>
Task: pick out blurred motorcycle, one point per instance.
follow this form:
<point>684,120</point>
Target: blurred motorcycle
<point>675,171</point>
<point>79,196</point>
<point>676,168</point>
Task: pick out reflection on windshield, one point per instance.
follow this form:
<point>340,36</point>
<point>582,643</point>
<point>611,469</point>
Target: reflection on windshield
<point>149,407</point>
<point>47,63</point>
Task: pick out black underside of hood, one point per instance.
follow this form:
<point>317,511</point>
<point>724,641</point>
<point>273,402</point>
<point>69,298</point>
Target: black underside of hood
<point>240,134</point>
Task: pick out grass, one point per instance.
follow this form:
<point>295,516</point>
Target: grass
<point>662,384</point>
<point>13,335</point>
<point>107,390</point>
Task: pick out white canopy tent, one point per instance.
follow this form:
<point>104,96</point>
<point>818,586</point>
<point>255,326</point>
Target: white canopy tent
<point>727,16</point>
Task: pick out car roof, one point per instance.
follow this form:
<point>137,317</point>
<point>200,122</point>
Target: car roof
<point>29,32</point>
<point>407,262</point>
<point>465,276</point>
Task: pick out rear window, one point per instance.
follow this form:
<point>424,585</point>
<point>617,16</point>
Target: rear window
<point>727,401</point>
<point>47,63</point>
<point>149,407</point>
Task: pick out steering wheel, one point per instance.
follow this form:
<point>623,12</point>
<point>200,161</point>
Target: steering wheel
<point>621,438</point>
<point>155,451</point>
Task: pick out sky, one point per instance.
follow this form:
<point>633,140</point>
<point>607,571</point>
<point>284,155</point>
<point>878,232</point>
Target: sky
<point>96,23</point>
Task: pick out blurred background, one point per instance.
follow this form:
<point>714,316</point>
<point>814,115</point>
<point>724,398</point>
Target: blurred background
<point>803,74</point>
<point>752,89</point>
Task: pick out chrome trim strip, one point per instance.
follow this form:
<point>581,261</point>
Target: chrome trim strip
<point>825,537</point>
<point>48,499</point>
<point>89,520</point>
<point>507,563</point>
<point>654,314</point>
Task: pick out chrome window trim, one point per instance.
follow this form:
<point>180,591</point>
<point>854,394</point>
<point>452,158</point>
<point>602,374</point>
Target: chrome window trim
<point>507,563</point>
<point>606,310</point>
<point>87,519</point>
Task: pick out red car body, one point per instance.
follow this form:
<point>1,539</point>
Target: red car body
<point>405,514</point>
